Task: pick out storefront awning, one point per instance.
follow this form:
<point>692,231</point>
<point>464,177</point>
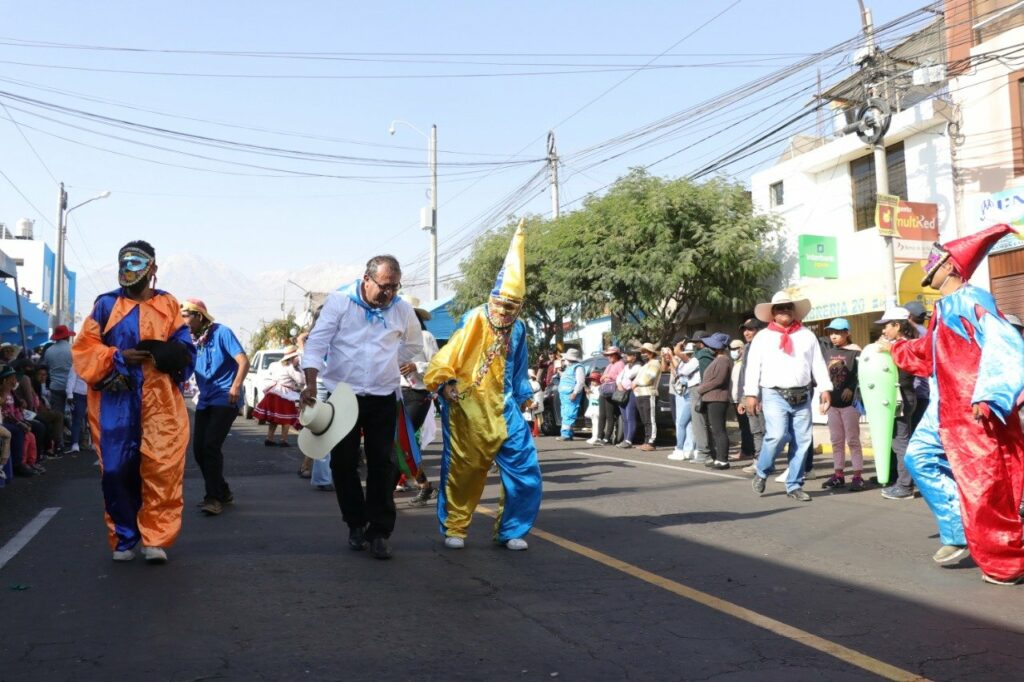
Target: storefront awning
<point>848,296</point>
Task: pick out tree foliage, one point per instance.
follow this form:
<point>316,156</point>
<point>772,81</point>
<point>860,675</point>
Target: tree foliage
<point>273,334</point>
<point>653,253</point>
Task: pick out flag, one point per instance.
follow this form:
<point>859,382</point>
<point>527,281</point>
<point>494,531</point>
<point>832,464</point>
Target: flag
<point>407,450</point>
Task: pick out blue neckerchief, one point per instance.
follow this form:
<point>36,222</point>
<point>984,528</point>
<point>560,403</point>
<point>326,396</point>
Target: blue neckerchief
<point>355,294</point>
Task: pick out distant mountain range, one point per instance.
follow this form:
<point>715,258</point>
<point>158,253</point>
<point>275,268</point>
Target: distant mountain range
<point>236,298</point>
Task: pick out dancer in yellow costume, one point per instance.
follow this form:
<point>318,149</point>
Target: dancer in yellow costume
<point>481,378</point>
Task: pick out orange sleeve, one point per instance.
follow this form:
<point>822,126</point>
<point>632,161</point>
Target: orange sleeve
<point>93,360</point>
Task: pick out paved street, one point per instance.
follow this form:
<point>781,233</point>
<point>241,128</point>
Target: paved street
<point>639,569</point>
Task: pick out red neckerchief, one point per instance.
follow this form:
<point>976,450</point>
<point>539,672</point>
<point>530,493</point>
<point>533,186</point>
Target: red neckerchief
<point>786,343</point>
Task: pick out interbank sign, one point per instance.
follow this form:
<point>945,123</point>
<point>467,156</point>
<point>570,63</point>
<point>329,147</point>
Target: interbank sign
<point>818,256</point>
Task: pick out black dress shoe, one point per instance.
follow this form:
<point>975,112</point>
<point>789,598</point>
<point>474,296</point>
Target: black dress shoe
<point>380,548</point>
<point>356,539</point>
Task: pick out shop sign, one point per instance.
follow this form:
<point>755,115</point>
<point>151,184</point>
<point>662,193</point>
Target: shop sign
<point>917,227</point>
<point>885,214</point>
<point>1004,207</point>
<point>818,256</point>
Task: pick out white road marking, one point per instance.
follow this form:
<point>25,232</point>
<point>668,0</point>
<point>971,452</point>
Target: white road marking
<point>663,466</point>
<point>23,537</point>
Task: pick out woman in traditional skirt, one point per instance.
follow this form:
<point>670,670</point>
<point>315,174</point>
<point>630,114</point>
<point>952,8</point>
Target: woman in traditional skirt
<point>280,399</point>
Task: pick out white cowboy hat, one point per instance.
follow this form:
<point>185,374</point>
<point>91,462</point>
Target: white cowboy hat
<point>326,423</point>
<point>572,354</point>
<point>763,311</point>
<point>414,301</point>
<point>289,353</point>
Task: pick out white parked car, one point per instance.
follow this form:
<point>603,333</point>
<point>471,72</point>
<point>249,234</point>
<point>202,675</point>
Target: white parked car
<point>258,377</point>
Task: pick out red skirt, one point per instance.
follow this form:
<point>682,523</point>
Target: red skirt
<point>276,410</point>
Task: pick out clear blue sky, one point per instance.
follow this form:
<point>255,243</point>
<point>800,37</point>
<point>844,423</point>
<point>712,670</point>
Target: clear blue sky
<point>261,223</point>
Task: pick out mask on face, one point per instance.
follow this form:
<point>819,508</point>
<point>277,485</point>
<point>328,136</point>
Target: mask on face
<point>134,267</point>
<point>502,311</point>
<point>735,354</point>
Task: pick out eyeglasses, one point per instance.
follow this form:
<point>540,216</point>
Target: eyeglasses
<point>386,288</point>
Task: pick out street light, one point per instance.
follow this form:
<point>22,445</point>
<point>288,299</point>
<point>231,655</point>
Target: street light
<point>62,233</point>
<point>432,224</point>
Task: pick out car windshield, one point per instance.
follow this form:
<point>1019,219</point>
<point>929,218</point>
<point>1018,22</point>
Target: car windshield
<point>269,358</point>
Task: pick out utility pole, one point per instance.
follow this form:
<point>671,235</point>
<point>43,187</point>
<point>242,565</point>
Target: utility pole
<point>433,212</point>
<point>553,164</point>
<point>58,301</point>
<point>882,117</point>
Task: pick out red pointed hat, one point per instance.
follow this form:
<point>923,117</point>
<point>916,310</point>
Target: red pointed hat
<point>966,252</point>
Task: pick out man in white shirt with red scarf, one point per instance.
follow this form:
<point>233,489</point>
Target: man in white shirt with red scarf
<point>780,365</point>
<point>365,333</point>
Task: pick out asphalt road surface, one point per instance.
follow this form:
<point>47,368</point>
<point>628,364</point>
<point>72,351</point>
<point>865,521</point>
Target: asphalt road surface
<point>638,569</point>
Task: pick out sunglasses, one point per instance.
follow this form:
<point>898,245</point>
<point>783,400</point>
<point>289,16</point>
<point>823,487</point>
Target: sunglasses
<point>785,307</point>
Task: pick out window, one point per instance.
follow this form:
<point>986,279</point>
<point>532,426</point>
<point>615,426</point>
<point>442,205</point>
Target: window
<point>862,173</point>
<point>19,261</point>
<point>995,17</point>
<point>775,195</point>
<point>1017,118</point>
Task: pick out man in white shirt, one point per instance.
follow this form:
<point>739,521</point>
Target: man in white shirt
<point>365,333</point>
<point>781,362</point>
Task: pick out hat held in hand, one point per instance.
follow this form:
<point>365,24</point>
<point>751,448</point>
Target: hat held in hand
<point>326,423</point>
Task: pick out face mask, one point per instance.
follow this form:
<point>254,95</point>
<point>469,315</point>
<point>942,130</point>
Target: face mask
<point>735,354</point>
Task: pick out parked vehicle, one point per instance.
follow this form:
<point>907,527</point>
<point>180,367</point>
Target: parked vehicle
<point>258,378</point>
<point>664,417</point>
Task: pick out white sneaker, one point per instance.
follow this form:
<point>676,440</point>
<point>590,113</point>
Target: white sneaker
<point>123,555</point>
<point>516,544</point>
<point>76,448</point>
<point>678,455</point>
<point>781,478</point>
<point>154,555</point>
<point>750,468</point>
<point>452,542</point>
<point>593,441</point>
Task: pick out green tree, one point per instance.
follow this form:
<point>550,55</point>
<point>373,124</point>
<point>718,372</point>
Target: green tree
<point>273,334</point>
<point>653,252</point>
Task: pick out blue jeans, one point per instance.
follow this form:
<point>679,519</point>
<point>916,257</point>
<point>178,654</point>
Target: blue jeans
<point>78,411</point>
<point>684,428</point>
<point>321,467</point>
<point>779,418</point>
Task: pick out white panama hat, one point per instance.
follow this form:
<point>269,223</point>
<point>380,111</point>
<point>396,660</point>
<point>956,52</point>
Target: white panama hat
<point>326,423</point>
<point>763,311</point>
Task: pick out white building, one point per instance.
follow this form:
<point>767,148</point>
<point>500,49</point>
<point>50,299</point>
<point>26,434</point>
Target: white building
<point>37,265</point>
<point>987,88</point>
<point>824,192</point>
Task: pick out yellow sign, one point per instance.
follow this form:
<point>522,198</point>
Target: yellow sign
<point>885,215</point>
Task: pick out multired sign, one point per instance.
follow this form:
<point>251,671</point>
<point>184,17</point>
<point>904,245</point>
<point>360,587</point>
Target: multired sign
<point>916,226</point>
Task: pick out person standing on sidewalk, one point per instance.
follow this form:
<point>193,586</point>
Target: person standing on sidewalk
<point>645,388</point>
<point>572,391</point>
<point>701,431</point>
<point>365,334</point>
<point>749,329</point>
<point>781,364</point>
<point>608,409</point>
<point>687,377</point>
<point>967,454</point>
<point>221,365</point>
<point>843,418</point>
<point>58,360</point>
<point>135,353</point>
<point>714,396</point>
<point>624,383</point>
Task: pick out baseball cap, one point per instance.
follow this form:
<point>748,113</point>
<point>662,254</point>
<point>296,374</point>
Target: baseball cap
<point>840,324</point>
<point>894,314</point>
<point>752,323</point>
<point>916,310</point>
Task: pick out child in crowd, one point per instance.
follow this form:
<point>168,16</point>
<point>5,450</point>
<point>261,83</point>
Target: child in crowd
<point>843,417</point>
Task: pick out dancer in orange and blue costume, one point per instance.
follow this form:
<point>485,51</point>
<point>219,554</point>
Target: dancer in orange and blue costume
<point>481,377</point>
<point>967,454</point>
<point>134,352</point>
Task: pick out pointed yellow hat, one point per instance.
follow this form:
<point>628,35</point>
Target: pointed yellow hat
<point>511,280</point>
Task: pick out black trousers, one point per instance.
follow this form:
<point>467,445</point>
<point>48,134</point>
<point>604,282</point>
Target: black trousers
<point>746,436</point>
<point>645,405</point>
<point>607,419</point>
<point>212,426</point>
<point>376,509</point>
<point>719,438</point>
<point>417,404</point>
